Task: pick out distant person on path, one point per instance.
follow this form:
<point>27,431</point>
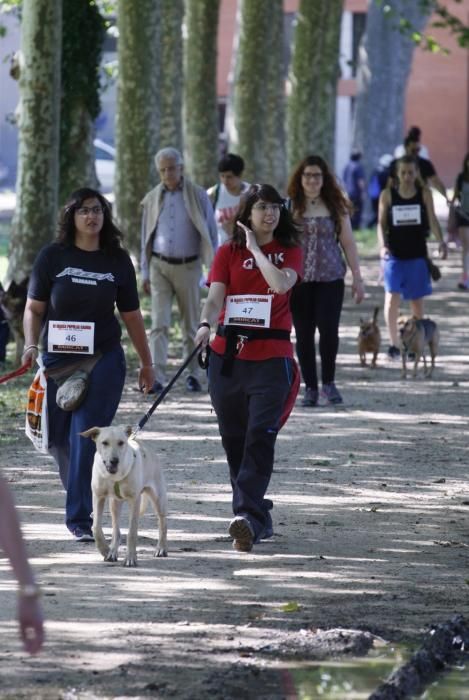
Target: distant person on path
<point>11,541</point>
<point>405,214</point>
<point>354,182</point>
<point>461,202</point>
<point>426,169</point>
<point>253,378</point>
<point>321,209</point>
<point>415,134</point>
<point>179,233</point>
<point>77,282</point>
<point>226,195</point>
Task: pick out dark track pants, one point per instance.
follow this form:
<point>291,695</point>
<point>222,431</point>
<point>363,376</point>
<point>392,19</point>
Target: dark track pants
<point>249,405</point>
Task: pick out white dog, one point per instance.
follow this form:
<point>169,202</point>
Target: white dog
<point>123,470</point>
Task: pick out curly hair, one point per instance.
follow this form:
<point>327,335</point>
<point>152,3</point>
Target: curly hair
<point>332,195</point>
<point>286,232</point>
<point>110,237</point>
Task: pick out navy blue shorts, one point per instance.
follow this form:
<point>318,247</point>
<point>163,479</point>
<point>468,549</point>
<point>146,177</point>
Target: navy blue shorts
<point>410,278</point>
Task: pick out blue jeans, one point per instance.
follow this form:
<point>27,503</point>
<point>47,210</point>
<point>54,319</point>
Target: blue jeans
<point>74,454</point>
<point>249,405</point>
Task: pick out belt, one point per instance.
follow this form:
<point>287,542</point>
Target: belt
<point>175,261</point>
<point>236,336</point>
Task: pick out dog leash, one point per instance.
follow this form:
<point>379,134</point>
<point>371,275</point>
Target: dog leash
<point>16,373</point>
<point>166,389</point>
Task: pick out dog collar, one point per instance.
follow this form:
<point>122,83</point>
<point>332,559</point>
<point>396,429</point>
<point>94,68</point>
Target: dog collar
<point>117,490</point>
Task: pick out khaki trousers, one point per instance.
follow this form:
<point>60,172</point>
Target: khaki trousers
<point>169,281</point>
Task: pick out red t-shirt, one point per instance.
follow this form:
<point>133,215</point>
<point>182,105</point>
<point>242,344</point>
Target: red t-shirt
<point>236,268</point>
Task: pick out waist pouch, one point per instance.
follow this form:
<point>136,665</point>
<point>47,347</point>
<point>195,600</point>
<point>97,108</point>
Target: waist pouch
<point>236,336</point>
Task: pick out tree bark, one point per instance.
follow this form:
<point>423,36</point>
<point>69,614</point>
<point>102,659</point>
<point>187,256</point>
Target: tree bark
<point>385,60</point>
<point>171,77</point>
<point>247,135</point>
<point>314,72</point>
<point>275,146</point>
<point>200,91</point>
<point>34,221</point>
<point>83,35</point>
<point>137,111</point>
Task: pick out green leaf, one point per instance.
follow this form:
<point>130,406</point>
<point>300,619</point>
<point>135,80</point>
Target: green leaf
<point>292,606</point>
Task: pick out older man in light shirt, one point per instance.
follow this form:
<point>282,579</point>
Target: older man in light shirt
<point>179,234</point>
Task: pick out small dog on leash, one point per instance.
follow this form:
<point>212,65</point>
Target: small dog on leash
<point>369,339</point>
<point>123,470</point>
<point>416,335</point>
<point>12,302</point>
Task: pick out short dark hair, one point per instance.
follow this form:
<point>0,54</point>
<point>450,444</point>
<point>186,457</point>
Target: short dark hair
<point>231,162</point>
<point>414,133</point>
<point>286,232</point>
<point>109,237</point>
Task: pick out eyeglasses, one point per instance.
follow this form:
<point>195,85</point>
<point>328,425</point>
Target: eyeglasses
<point>275,208</point>
<point>312,176</point>
<point>85,211</point>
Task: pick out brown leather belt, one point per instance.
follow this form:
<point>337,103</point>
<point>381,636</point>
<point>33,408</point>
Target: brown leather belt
<point>175,261</point>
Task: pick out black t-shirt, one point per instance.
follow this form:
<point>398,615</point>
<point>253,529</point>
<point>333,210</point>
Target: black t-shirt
<point>83,286</point>
<point>426,168</point>
<point>407,226</point>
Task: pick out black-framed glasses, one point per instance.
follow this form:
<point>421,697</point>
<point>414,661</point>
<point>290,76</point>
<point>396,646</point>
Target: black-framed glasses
<point>85,211</point>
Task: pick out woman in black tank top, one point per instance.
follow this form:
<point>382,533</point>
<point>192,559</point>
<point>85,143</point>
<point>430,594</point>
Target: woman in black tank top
<point>405,214</point>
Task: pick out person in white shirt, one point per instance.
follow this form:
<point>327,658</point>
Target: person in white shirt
<point>226,195</point>
<point>414,133</point>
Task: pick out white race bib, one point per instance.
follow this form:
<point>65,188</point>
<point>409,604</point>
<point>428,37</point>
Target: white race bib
<point>71,336</point>
<point>406,214</point>
<point>248,310</point>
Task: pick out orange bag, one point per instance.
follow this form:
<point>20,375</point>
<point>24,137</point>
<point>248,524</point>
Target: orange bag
<point>36,425</point>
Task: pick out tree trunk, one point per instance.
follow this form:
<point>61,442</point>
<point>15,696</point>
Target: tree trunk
<point>137,110</point>
<point>170,87</point>
<point>275,147</point>
<point>200,91</point>
<point>247,136</point>
<point>385,61</point>
<point>83,35</point>
<point>313,79</point>
<point>35,217</point>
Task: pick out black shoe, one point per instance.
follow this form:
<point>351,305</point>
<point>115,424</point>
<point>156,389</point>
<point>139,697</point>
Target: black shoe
<point>393,352</point>
<point>193,384</point>
<point>242,533</point>
<point>411,356</point>
<point>157,388</point>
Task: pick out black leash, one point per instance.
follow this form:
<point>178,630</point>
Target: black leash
<point>161,396</point>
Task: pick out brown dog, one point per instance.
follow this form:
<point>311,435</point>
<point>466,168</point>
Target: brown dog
<point>416,334</point>
<point>369,339</point>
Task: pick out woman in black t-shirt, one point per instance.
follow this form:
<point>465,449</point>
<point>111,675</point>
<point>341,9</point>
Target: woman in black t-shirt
<point>76,284</point>
<point>405,214</point>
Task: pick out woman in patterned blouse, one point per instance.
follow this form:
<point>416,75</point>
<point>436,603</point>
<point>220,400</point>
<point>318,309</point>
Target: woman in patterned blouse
<point>323,211</point>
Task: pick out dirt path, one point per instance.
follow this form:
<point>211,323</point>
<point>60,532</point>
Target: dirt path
<point>371,521</point>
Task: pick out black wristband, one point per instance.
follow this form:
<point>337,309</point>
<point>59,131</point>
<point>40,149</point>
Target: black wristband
<point>204,324</point>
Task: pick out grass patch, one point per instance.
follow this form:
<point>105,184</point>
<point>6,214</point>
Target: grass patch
<point>12,408</point>
<point>367,241</point>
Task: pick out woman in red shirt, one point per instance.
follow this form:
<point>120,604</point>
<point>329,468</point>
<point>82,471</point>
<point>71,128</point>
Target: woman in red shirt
<point>253,378</point>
